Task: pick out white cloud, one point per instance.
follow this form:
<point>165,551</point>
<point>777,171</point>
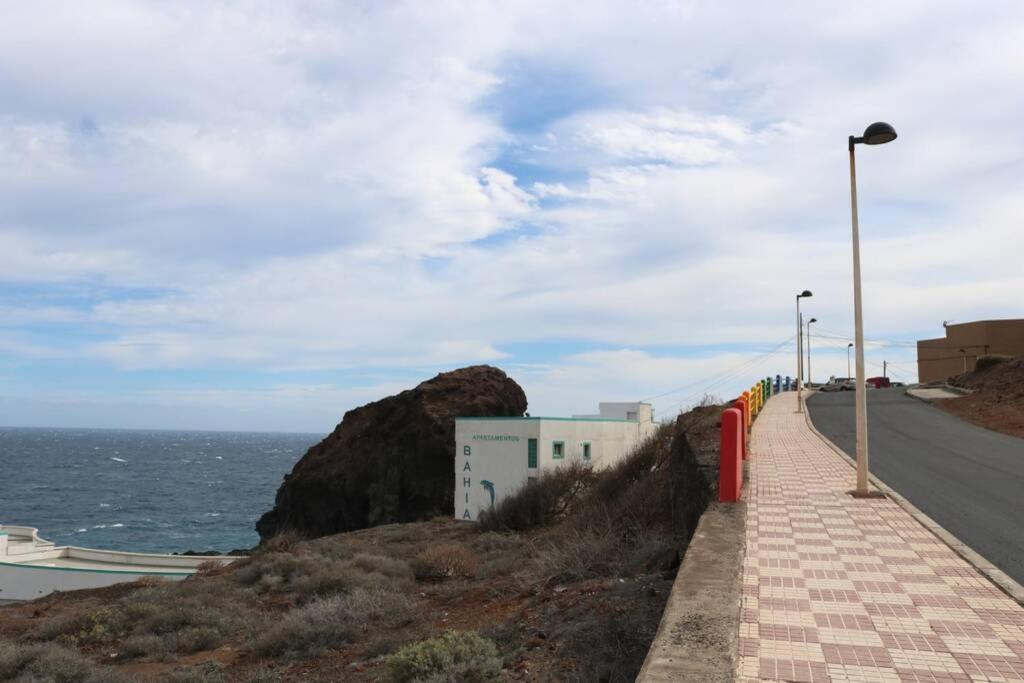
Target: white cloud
<point>297,187</point>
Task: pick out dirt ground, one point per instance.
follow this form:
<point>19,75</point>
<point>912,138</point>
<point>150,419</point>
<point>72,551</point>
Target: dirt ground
<point>997,401</point>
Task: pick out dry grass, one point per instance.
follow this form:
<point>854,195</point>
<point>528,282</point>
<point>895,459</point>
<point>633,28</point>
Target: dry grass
<point>542,502</point>
<point>329,622</point>
<point>444,561</point>
<point>567,577</point>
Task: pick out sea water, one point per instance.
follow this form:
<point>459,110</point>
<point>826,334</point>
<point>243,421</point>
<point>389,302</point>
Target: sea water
<point>149,491</point>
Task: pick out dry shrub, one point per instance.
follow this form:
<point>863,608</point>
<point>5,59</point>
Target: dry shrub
<point>620,524</point>
<point>197,639</point>
<point>444,561</point>
<point>309,576</point>
<point>991,360</point>
<point>209,567</point>
<point>329,622</point>
<point>282,542</point>
<point>147,645</point>
<point>85,627</point>
<point>51,662</point>
<point>542,502</point>
<point>462,656</point>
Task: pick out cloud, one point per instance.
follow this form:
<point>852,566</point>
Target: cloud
<point>299,188</point>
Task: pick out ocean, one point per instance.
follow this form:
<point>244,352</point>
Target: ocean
<point>148,491</point>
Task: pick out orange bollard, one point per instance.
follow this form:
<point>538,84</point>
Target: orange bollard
<point>730,464</point>
<point>739,405</point>
<point>747,417</point>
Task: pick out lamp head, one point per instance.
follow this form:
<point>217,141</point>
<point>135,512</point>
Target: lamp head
<point>804,293</point>
<point>812,320</point>
<point>850,345</point>
<point>879,133</point>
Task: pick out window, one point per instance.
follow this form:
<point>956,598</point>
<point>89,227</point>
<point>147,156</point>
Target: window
<point>531,453</point>
<point>558,450</point>
<point>631,415</point>
<point>586,451</point>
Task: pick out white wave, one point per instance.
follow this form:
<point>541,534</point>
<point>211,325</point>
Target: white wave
<point>104,505</point>
<point>118,459</point>
<point>80,531</point>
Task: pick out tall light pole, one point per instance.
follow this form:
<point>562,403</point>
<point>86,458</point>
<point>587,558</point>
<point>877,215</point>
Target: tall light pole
<point>848,347</point>
<point>799,348</point>
<point>876,134</point>
<point>810,380</point>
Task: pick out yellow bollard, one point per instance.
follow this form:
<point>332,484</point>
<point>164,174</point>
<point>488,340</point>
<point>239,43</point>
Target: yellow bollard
<point>750,408</point>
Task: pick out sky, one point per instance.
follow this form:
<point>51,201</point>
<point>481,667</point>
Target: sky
<point>256,216</point>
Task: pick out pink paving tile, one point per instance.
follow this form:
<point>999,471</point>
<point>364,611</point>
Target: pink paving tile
<point>796,634</point>
<point>857,655</point>
<point>921,642</point>
<point>887,599</point>
<point>849,622</point>
<point>799,671</point>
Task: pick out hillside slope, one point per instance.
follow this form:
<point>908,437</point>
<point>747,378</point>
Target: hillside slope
<point>997,401</point>
<point>570,587</point>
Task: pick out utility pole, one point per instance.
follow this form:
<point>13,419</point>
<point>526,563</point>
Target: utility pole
<point>885,368</point>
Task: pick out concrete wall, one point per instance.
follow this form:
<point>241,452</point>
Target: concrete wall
<point>940,359</point>
<point>491,454</point>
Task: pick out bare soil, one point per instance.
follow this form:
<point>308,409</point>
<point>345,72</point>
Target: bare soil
<point>997,401</point>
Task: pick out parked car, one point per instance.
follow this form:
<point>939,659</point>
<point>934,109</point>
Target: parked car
<point>839,384</point>
<point>879,382</point>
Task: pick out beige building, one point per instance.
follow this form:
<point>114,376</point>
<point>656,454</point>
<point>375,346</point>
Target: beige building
<point>939,359</point>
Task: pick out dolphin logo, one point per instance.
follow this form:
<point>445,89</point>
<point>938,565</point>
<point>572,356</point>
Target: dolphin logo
<point>489,486</point>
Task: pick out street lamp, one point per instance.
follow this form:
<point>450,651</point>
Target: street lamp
<point>810,380</point>
<point>848,347</point>
<point>876,134</point>
<point>799,347</point>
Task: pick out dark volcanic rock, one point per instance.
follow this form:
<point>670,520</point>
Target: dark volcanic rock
<point>392,460</point>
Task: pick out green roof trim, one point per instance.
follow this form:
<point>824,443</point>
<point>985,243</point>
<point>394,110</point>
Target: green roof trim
<point>556,419</point>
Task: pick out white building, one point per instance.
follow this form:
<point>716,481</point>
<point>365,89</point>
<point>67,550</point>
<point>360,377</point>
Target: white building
<point>31,567</point>
<point>495,456</point>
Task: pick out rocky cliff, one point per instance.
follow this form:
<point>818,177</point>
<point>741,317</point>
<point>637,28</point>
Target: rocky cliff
<point>392,460</point>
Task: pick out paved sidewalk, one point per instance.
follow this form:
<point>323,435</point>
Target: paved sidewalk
<point>844,589</point>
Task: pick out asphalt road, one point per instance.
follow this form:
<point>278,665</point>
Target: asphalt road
<point>968,479</point>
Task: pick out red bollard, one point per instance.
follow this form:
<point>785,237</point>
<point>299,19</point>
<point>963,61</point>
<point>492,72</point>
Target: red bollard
<point>730,464</point>
<point>739,405</point>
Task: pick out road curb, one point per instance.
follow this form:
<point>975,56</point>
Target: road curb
<point>991,572</point>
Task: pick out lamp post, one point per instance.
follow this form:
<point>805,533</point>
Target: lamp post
<point>799,348</point>
<point>810,380</point>
<point>848,347</point>
<point>876,134</point>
